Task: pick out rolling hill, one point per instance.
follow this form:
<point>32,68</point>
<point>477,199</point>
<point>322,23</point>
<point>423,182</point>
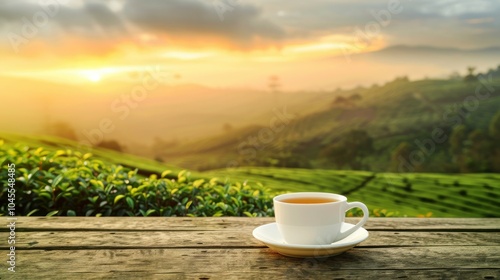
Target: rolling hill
<point>168,110</point>
<point>386,194</point>
<point>397,112</point>
<point>417,194</point>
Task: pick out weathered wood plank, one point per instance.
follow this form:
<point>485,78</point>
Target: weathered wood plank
<point>212,262</point>
<point>204,248</point>
<point>227,239</point>
<point>186,223</point>
<point>377,274</point>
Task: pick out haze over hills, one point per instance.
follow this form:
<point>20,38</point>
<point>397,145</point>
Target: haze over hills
<point>415,62</point>
<point>442,52</point>
<point>183,114</point>
<point>363,128</point>
<point>169,111</point>
<point>445,59</point>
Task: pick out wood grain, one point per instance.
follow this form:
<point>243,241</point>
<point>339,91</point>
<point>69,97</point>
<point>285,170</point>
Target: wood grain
<point>227,239</point>
<point>242,261</point>
<point>273,274</point>
<point>185,223</point>
<point>224,248</point>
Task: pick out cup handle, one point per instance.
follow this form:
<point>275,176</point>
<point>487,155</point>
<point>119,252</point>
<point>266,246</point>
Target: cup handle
<point>351,205</point>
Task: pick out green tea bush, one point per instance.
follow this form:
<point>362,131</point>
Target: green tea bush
<point>69,183</point>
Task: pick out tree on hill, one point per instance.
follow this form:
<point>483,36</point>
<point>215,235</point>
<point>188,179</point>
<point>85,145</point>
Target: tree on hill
<point>342,101</point>
<point>339,100</point>
<point>477,152</point>
<point>470,77</point>
<point>399,158</point>
<point>111,145</point>
<point>63,130</point>
<point>355,97</point>
<point>350,150</point>
<point>494,73</point>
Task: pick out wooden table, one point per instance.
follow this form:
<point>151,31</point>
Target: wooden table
<point>224,248</point>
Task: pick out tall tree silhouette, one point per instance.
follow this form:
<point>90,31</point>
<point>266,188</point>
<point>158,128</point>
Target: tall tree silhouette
<point>470,77</point>
<point>274,86</point>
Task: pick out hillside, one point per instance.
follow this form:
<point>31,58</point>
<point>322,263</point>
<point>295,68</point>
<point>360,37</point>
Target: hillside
<point>51,178</point>
<point>401,113</point>
<point>396,194</point>
<point>386,194</point>
<point>173,112</point>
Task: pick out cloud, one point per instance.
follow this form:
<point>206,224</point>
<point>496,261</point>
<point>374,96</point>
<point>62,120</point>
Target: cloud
<point>49,27</point>
<point>242,25</point>
<point>91,19</point>
<point>181,21</point>
<point>14,10</point>
<point>425,22</point>
<point>254,24</point>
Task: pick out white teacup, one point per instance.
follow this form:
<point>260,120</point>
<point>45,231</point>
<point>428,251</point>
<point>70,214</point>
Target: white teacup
<point>314,218</point>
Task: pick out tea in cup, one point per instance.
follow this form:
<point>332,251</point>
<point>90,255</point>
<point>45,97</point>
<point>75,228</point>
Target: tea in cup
<point>314,218</point>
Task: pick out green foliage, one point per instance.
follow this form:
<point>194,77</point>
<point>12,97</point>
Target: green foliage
<point>478,151</point>
<point>457,139</point>
<point>470,77</point>
<point>388,194</point>
<point>494,127</point>
<point>350,150</point>
<point>65,182</point>
<point>396,112</point>
<point>436,195</point>
<point>68,182</point>
<point>475,150</point>
<point>400,153</point>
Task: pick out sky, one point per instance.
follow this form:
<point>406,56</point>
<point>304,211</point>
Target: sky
<point>232,43</point>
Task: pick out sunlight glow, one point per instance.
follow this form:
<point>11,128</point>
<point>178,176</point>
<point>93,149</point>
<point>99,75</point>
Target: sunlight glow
<point>96,75</point>
<point>93,76</point>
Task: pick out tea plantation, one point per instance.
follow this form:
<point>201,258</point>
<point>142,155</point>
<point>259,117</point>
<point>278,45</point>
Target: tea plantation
<point>53,178</point>
<point>389,194</point>
<point>66,182</point>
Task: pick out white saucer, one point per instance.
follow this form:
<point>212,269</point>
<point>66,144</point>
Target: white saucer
<point>270,235</point>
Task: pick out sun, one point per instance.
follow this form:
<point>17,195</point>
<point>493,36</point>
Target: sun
<point>93,76</point>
